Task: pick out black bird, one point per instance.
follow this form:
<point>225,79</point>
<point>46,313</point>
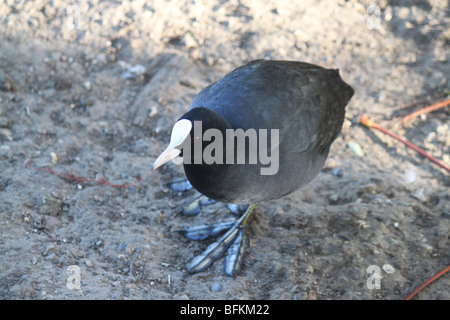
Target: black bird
<point>301,106</point>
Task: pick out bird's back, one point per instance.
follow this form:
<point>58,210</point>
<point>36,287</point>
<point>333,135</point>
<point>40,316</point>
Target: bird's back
<point>305,102</point>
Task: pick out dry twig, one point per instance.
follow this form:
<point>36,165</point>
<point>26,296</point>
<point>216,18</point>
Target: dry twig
<point>426,283</point>
<point>364,120</point>
<point>426,110</point>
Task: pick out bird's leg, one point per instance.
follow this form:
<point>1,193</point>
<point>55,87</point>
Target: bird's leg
<point>232,242</point>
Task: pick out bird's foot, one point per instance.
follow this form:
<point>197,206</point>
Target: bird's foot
<point>232,241</point>
<point>193,205</point>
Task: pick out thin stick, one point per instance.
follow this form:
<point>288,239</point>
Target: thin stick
<point>364,120</point>
<point>426,283</point>
<point>426,110</point>
<point>81,180</point>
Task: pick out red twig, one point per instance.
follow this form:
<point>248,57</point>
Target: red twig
<point>69,177</point>
<point>426,110</point>
<point>426,283</point>
<point>364,120</point>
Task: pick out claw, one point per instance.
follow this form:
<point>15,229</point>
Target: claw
<point>214,251</point>
<point>235,255</point>
<point>233,237</point>
<point>180,185</point>
<point>207,201</point>
<point>237,208</point>
<point>205,231</point>
<point>194,205</point>
<point>231,243</point>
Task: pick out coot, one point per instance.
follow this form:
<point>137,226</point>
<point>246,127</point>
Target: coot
<point>259,133</point>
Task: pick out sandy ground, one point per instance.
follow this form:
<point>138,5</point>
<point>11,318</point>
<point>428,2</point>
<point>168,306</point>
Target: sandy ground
<point>92,88</point>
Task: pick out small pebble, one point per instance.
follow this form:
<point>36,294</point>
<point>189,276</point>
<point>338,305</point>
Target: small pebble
<point>388,268</point>
<point>301,296</point>
<point>6,133</point>
<point>138,69</point>
<point>116,283</point>
<point>409,176</point>
<point>100,59</point>
<point>216,287</point>
<point>419,194</point>
<point>132,72</point>
<point>153,111</point>
<point>4,122</point>
<point>337,172</point>
<point>89,264</point>
<point>330,163</point>
<point>356,148</point>
<point>122,246</point>
<point>312,295</point>
<point>189,41</point>
<point>87,85</point>
<point>131,286</point>
<point>54,158</point>
<point>7,84</point>
<point>333,198</point>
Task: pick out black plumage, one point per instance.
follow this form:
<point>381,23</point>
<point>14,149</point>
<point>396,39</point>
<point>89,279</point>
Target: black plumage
<point>305,102</point>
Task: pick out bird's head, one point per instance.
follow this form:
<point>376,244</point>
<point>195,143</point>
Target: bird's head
<point>180,132</point>
<point>190,128</point>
